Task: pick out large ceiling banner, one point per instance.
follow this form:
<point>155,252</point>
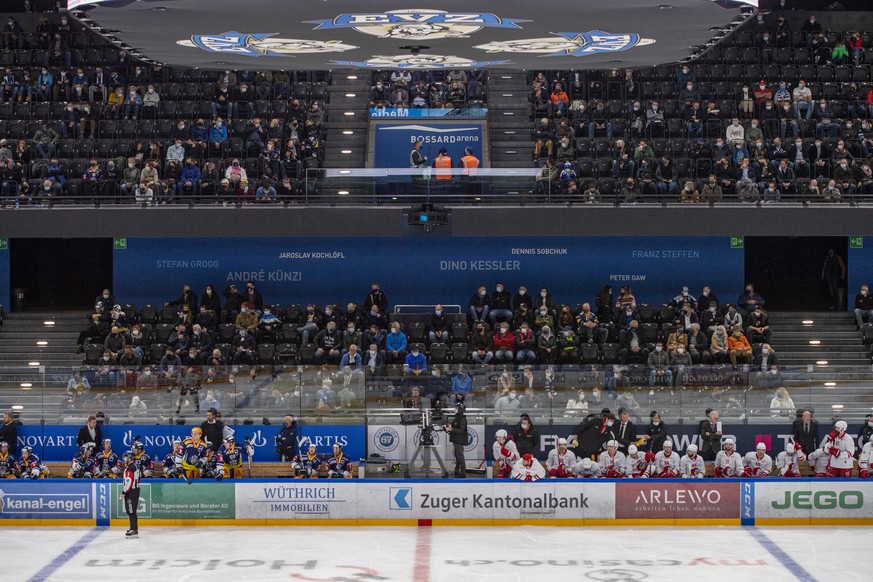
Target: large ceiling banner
<point>513,34</point>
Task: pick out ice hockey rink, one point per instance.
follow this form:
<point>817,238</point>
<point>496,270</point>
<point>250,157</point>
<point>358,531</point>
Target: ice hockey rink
<point>438,554</point>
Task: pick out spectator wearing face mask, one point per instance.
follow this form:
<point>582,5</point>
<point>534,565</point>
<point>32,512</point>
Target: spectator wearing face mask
<point>718,347</point>
<point>480,305</point>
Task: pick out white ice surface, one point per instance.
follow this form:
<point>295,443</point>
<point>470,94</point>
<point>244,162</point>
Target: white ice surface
<point>716,554</point>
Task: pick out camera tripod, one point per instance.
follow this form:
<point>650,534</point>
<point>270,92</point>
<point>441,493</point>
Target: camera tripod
<point>426,449</point>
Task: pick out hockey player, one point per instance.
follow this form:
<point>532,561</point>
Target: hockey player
<point>666,462</point>
<point>819,460</point>
<point>29,466</point>
<point>142,460</point>
<point>612,461</point>
<point>505,455</point>
<point>865,463</point>
<point>788,461</point>
<point>636,466</point>
<point>758,463</point>
<point>561,461</point>
<point>339,466</point>
<point>691,466</point>
<point>728,462</point>
<point>841,450</point>
<point>230,457</point>
<point>108,464</point>
<point>172,463</point>
<point>587,469</point>
<point>193,454</point>
<point>209,464</point>
<point>308,464</point>
<point>528,468</point>
<point>7,462</point>
<point>84,466</point>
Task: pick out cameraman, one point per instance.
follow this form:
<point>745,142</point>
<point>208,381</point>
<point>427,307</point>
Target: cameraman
<point>286,440</point>
<point>458,436</point>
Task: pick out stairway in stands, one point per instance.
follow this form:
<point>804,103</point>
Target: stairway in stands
<point>509,127</point>
<point>348,92</point>
<point>18,348</point>
<point>840,343</point>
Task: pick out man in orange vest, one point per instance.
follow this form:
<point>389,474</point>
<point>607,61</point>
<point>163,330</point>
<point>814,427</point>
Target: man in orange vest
<point>470,163</point>
<point>443,165</point>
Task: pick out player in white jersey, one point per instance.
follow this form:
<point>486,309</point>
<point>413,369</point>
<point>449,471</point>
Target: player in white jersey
<point>561,461</point>
<point>505,455</point>
<point>841,450</point>
<point>758,463</point>
<point>819,460</point>
<point>788,461</point>
<point>528,468</point>
<point>612,461</point>
<point>636,466</point>
<point>865,463</point>
<point>587,469</point>
<point>666,462</point>
<point>728,462</point>
<point>691,466</point>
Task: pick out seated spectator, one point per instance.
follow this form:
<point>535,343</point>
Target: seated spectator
<point>415,362</point>
<point>758,329</point>
<point>782,405</point>
<point>525,344</point>
<point>739,347</point>
<point>481,344</point>
<point>395,345</point>
<point>659,362</point>
<point>547,346</point>
<point>504,344</point>
<point>480,305</point>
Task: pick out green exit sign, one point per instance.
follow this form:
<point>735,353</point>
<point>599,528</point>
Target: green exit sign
<point>119,243</point>
<point>4,244</point>
<point>736,242</point>
<point>856,242</point>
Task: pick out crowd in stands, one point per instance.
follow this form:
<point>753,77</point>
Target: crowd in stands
<point>78,118</point>
<point>771,114</point>
<point>403,89</point>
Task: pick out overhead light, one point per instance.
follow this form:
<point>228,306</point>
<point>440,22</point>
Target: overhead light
<point>837,406</point>
<point>349,113</point>
<point>26,385</point>
<point>830,384</point>
<point>807,322</point>
<point>348,132</point>
<point>345,151</point>
<point>353,77</point>
<point>822,363</point>
<point>17,407</point>
<point>345,171</point>
<point>351,94</point>
<point>33,364</point>
<point>814,342</point>
<point>48,323</point>
<point>42,343</point>
<point>343,192</point>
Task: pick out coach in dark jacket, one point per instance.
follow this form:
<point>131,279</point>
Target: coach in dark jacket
<point>526,437</point>
<point>806,432</point>
<point>90,433</point>
<point>9,432</point>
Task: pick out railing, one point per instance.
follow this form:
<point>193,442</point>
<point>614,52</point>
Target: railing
<point>496,395</point>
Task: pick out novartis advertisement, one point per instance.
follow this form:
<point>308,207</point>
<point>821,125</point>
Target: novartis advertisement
<point>374,500</point>
<point>814,499</point>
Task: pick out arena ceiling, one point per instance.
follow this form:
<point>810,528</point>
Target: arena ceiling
<point>330,34</point>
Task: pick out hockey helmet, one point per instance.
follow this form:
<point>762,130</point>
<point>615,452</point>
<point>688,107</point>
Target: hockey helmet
<point>107,442</point>
<point>196,431</point>
<point>586,463</point>
<point>789,448</point>
<point>4,445</point>
<point>27,449</point>
<point>632,449</point>
<point>692,449</point>
<point>761,447</point>
<point>728,443</point>
<point>228,439</point>
<point>612,443</point>
<point>501,434</point>
<point>841,426</point>
<point>562,441</point>
<point>138,446</point>
<point>668,443</point>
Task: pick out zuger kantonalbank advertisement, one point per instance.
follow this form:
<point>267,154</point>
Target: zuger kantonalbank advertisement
<point>813,499</point>
<point>425,500</point>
